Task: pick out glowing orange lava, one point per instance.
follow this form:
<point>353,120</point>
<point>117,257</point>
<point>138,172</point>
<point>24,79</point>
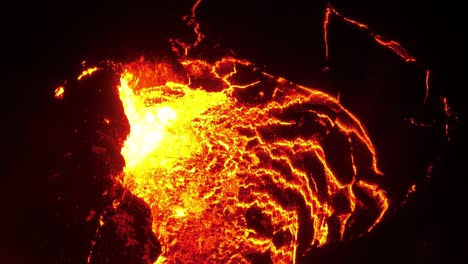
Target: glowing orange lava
<point>232,168</point>
<point>58,92</point>
<point>87,72</point>
<point>234,162</point>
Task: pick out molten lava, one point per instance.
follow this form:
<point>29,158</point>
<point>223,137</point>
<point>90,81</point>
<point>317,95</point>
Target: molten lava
<point>232,169</point>
<point>238,165</point>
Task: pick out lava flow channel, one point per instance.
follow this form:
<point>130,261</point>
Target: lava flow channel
<point>236,164</point>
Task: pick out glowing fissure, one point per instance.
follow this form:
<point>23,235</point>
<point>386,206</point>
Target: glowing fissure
<point>381,40</point>
<point>232,171</point>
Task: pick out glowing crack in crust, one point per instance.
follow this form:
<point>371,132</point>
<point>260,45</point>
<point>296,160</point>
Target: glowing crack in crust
<point>236,163</point>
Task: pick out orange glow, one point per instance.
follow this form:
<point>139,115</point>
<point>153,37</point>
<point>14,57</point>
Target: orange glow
<point>412,189</point>
<point>59,92</point>
<point>87,72</point>
<point>396,47</point>
<point>428,72</point>
<point>96,235</point>
<point>190,21</point>
<point>450,117</point>
<point>219,173</point>
<point>326,20</point>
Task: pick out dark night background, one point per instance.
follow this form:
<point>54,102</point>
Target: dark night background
<point>45,43</point>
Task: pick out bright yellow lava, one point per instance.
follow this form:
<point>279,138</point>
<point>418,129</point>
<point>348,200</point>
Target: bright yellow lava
<point>161,134</point>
